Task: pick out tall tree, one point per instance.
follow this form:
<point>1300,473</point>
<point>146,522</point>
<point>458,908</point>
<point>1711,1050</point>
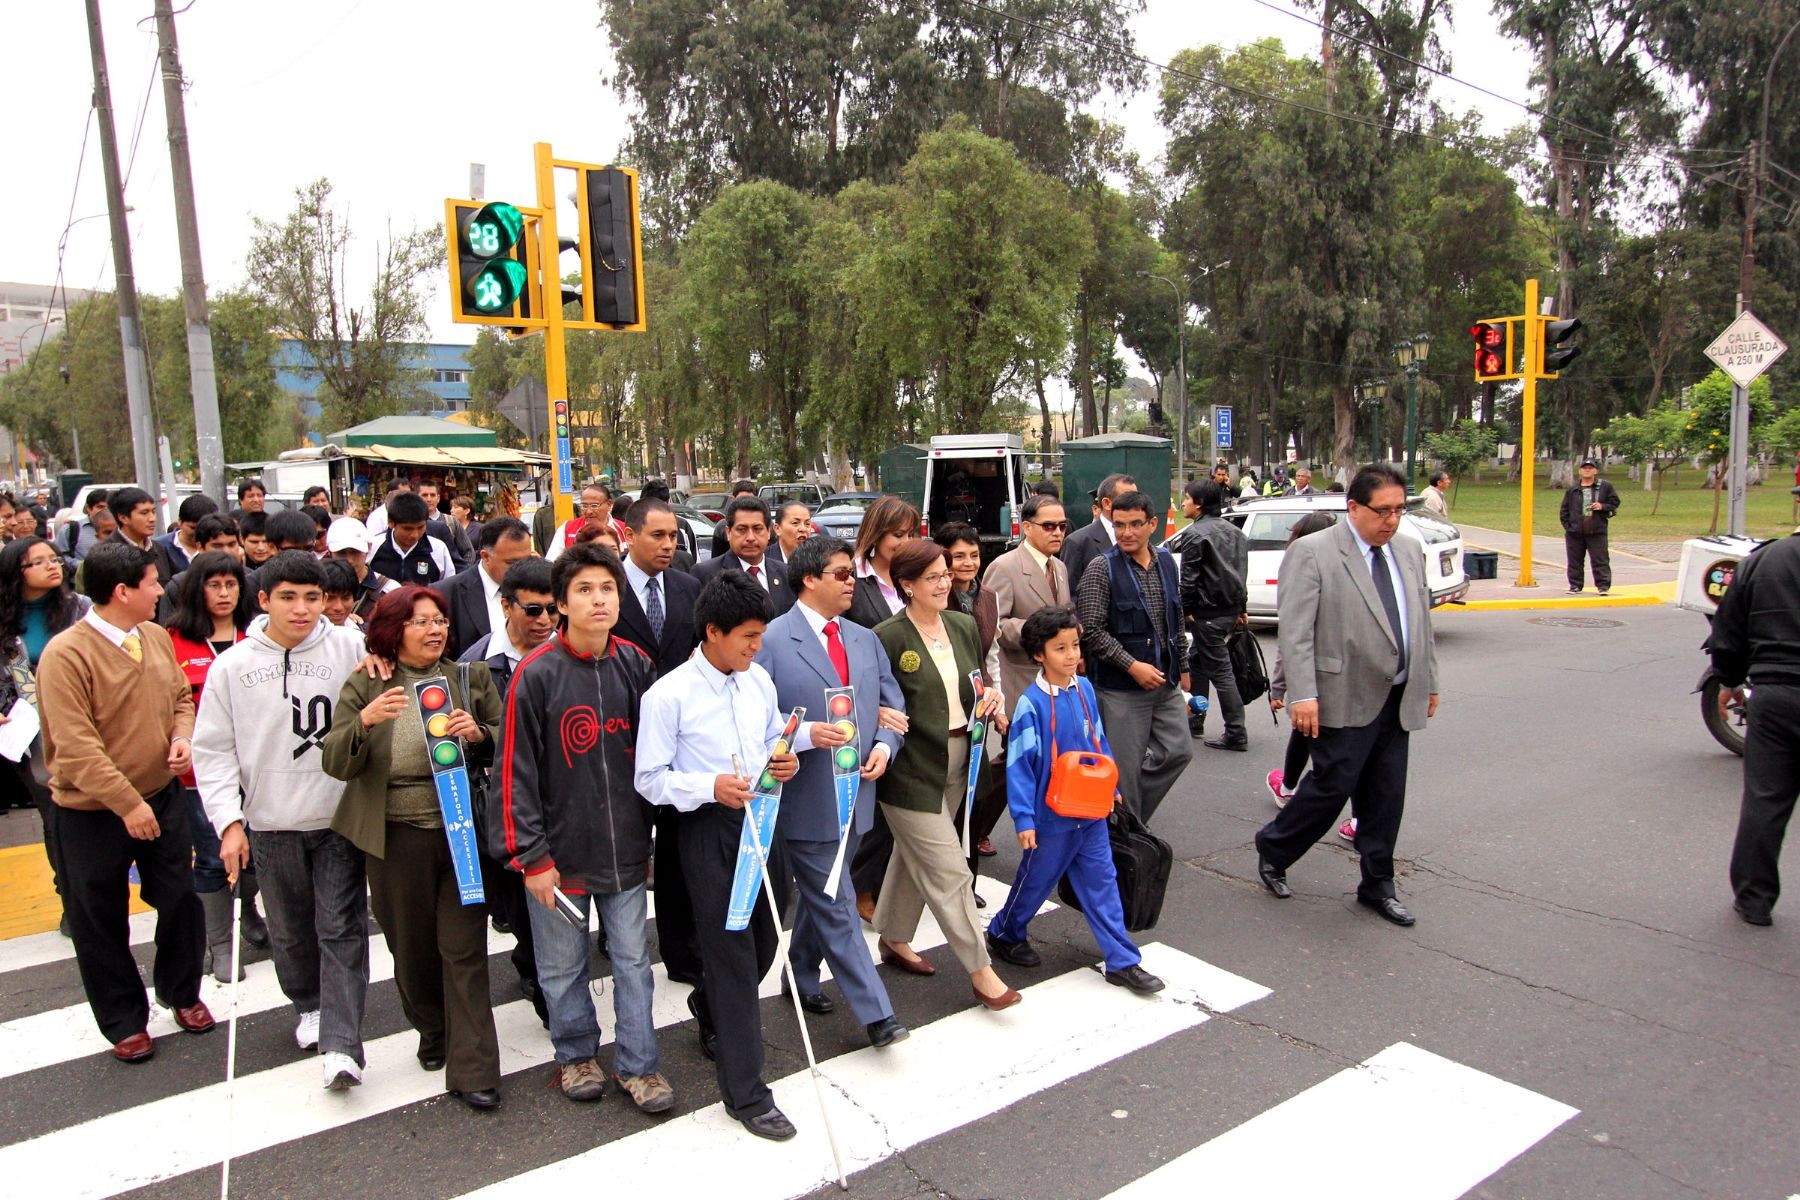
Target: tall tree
<point>299,268</point>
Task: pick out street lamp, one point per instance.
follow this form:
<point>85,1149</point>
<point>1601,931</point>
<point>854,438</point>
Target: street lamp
<point>1411,356</point>
<point>1375,392</point>
<point>1181,304</point>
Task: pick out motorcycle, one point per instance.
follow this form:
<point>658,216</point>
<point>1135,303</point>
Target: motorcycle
<point>1708,565</point>
<point>1723,710</point>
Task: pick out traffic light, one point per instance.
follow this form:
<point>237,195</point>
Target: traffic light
<point>612,272</point>
<point>1491,351</point>
<point>442,747</point>
<point>493,264</point>
<point>1552,333</point>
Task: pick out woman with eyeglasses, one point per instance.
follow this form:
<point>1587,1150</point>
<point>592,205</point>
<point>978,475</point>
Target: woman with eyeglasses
<point>934,651</point>
<point>887,524</point>
<point>36,604</point>
<point>378,746</point>
<point>211,607</point>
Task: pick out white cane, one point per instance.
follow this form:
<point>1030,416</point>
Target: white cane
<point>781,951</point>
<point>237,917</point>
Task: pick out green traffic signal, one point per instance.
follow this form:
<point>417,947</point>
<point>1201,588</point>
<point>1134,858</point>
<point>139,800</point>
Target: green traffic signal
<point>494,286</point>
<point>492,230</point>
<point>489,264</point>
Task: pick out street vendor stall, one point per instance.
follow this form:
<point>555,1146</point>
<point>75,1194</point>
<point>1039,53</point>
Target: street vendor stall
<point>358,477</point>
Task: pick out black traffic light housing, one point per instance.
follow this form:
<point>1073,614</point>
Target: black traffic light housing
<point>1553,334</point>
<point>1491,350</point>
<point>612,257</point>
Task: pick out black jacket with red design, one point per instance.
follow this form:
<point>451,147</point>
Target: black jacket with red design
<point>565,764</point>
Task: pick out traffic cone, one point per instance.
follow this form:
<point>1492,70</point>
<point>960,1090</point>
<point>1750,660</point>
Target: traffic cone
<point>1169,529</point>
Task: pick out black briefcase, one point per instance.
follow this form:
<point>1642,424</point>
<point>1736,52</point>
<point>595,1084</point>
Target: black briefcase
<point>1142,861</point>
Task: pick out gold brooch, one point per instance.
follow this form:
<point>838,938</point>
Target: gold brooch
<point>909,661</point>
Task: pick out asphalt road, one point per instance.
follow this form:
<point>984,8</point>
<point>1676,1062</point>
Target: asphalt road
<point>1564,851</point>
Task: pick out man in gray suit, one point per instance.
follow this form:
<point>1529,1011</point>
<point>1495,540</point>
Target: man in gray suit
<point>1023,580</point>
<point>1361,669</point>
<point>806,650</point>
<point>1096,537</point>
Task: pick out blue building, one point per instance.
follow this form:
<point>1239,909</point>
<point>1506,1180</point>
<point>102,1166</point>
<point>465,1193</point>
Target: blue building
<point>445,369</point>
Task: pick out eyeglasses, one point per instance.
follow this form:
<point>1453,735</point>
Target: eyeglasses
<point>842,574</point>
<point>534,611</point>
<point>593,508</point>
<point>1052,526</point>
<point>428,622</point>
<point>935,578</point>
<point>1385,514</point>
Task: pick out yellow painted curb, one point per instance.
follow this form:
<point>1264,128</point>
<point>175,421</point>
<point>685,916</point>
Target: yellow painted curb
<point>28,902</point>
<point>1556,602</point>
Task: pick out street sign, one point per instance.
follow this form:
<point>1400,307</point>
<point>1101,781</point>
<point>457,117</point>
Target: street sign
<point>1221,423</point>
<point>1746,349</point>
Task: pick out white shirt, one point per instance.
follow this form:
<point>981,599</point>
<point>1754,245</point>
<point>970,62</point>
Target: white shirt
<point>377,522</point>
<point>762,569</point>
<point>693,721</point>
<point>817,620</point>
<point>1112,534</point>
<point>500,642</point>
<point>490,589</point>
<point>1393,567</point>
<point>113,633</point>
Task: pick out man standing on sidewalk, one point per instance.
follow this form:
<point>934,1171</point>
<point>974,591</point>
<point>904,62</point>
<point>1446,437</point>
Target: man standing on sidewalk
<point>1587,508</point>
<point>118,721</point>
<point>257,746</point>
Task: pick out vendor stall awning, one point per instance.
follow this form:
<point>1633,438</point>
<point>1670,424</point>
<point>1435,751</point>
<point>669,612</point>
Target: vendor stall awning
<point>488,457</point>
<point>413,431</point>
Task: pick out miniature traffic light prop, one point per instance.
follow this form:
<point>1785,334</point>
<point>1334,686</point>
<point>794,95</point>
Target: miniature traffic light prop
<point>1491,350</point>
<point>450,779</point>
<point>442,747</point>
<point>492,264</point>
<point>1552,333</point>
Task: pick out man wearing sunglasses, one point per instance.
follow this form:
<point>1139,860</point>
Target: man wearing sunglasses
<point>1025,579</point>
<point>1361,669</point>
<point>528,619</point>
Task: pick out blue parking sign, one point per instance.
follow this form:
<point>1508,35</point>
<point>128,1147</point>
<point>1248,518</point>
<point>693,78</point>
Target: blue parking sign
<point>1221,415</point>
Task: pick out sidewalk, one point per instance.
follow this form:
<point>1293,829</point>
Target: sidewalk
<point>1638,579</point>
<point>28,901</point>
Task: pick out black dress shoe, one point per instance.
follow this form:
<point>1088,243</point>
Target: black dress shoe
<point>1275,881</point>
<point>772,1125</point>
<point>1389,908</point>
<point>1753,916</point>
<point>817,1003</point>
<point>1019,954</point>
<point>1221,743</point>
<point>480,1098</point>
<point>500,924</point>
<point>886,1032</point>
<point>431,1062</point>
<point>709,1037</point>
<point>1137,979</point>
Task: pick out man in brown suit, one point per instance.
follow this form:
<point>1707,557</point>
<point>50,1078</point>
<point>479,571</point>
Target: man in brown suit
<point>1022,581</point>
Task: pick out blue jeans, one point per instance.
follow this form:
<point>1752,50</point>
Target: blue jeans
<point>209,872</point>
<point>562,972</point>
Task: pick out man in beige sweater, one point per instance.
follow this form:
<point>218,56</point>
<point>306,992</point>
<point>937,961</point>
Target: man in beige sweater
<point>118,714</point>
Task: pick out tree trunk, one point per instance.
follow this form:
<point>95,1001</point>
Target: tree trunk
<point>1084,373</point>
<point>1044,412</point>
<point>743,446</point>
<point>1343,441</point>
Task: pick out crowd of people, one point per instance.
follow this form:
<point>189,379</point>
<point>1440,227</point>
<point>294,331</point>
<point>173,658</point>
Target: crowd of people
<point>231,706</point>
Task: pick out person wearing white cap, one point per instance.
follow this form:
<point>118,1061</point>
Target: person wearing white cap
<point>348,539</point>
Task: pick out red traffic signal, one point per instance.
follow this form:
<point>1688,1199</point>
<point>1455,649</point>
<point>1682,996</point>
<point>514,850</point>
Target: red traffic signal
<point>1490,350</point>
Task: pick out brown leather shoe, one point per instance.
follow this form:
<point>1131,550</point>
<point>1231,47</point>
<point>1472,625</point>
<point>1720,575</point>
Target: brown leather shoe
<point>196,1018</point>
<point>1005,999</point>
<point>135,1049</point>
<point>865,907</point>
<point>912,966</point>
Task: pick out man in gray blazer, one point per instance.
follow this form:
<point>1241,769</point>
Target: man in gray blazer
<point>807,650</point>
<point>1023,580</point>
<point>1361,670</point>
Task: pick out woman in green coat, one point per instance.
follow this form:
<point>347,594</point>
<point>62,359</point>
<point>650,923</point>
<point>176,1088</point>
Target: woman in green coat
<point>933,652</point>
<point>377,745</point>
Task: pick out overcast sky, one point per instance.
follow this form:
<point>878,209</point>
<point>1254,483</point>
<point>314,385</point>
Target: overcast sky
<point>393,100</point>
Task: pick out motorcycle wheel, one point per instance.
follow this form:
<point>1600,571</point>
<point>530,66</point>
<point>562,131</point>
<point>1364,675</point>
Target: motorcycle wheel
<point>1728,730</point>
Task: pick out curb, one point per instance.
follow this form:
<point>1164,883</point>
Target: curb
<point>1559,602</point>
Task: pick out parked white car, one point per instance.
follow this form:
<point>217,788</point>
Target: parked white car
<point>1267,523</point>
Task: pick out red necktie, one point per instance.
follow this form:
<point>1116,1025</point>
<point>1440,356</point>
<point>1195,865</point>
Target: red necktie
<point>834,646</point>
<point>755,573</point>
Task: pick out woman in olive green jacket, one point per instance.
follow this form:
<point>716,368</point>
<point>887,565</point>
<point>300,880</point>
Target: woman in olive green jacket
<point>933,652</point>
<point>377,745</point>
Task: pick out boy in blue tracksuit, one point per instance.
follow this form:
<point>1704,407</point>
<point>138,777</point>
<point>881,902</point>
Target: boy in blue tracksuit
<point>1055,845</point>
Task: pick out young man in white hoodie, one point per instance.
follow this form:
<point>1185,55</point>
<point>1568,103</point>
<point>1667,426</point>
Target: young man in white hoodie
<point>263,719</point>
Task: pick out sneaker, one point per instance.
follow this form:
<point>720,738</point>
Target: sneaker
<point>1278,788</point>
<point>583,1080</point>
<point>306,1033</point>
<point>1347,831</point>
<point>651,1093</point>
<point>341,1072</point>
<point>1574,591</point>
<point>1605,591</point>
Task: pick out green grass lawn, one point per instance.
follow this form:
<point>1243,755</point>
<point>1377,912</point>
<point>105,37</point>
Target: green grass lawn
<point>1685,511</point>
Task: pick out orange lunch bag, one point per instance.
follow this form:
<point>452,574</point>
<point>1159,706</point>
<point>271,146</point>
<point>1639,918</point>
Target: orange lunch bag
<point>1083,783</point>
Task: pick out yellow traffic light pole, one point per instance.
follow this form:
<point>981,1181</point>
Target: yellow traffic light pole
<point>556,358</point>
<point>1528,432</point>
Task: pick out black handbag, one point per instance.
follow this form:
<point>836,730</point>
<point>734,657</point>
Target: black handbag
<point>1142,862</point>
<point>1247,665</point>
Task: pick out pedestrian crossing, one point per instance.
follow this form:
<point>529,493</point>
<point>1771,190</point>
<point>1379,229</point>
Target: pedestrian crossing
<point>1437,1127</point>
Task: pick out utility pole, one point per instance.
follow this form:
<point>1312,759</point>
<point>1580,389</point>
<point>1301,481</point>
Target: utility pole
<point>131,325</point>
<point>209,442</point>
